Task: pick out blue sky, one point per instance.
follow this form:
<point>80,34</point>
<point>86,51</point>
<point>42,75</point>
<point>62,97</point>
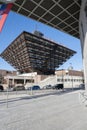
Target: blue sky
<point>15,24</point>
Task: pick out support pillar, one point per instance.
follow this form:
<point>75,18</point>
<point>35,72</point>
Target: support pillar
<point>24,81</point>
<point>83,37</point>
<point>13,81</point>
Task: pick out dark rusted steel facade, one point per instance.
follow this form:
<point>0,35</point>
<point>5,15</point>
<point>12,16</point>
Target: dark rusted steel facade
<point>32,53</point>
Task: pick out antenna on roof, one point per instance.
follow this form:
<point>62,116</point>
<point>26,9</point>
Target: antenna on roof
<point>37,33</point>
<point>36,27</point>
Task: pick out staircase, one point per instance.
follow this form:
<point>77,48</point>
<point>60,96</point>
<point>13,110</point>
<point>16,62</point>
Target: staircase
<point>51,80</point>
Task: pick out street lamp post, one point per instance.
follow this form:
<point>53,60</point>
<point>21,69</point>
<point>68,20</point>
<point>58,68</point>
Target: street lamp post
<point>7,92</point>
<point>62,77</point>
<point>71,68</point>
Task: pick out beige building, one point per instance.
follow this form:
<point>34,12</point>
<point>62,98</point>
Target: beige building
<point>70,78</point>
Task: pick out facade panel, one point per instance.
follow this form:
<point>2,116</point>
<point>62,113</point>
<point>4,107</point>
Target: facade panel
<point>32,53</point>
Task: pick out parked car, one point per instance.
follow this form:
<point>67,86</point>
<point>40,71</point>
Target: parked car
<point>35,87</point>
<point>1,88</point>
<point>82,86</point>
<point>18,88</point>
<point>47,86</point>
<point>9,89</point>
<point>58,86</point>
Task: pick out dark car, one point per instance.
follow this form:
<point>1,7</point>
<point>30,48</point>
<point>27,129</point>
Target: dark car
<point>82,86</point>
<point>18,88</point>
<point>35,87</point>
<point>1,88</point>
<point>58,86</point>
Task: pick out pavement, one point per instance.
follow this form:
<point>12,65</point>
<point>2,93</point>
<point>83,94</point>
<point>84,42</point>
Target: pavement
<point>59,110</point>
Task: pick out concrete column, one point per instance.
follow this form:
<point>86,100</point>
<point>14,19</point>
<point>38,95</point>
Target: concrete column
<point>83,36</point>
<point>24,80</point>
<point>13,81</point>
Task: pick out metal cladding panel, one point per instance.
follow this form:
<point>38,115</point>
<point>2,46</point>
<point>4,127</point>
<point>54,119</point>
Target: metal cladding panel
<point>60,14</point>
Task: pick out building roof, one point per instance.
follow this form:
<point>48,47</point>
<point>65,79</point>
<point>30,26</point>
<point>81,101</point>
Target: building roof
<point>60,14</point>
<point>69,72</point>
<point>31,53</point>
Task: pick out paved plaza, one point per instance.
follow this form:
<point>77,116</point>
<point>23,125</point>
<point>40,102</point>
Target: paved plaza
<point>54,111</point>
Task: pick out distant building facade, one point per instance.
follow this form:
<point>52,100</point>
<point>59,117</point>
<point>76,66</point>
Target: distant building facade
<point>70,78</point>
<point>4,73</point>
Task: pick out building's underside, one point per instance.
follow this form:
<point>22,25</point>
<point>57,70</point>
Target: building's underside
<point>30,53</point>
<point>60,14</point>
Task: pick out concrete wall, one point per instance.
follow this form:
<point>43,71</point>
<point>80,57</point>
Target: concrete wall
<point>83,36</point>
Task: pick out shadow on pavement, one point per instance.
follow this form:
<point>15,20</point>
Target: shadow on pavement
<point>27,97</point>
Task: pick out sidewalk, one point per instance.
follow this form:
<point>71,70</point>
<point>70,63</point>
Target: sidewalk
<point>51,112</point>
